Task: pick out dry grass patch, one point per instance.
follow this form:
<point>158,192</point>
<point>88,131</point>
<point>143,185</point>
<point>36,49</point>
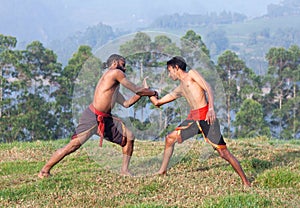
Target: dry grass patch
<point>197,178</point>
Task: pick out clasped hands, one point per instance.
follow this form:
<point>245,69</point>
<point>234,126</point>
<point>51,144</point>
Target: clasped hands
<point>145,85</point>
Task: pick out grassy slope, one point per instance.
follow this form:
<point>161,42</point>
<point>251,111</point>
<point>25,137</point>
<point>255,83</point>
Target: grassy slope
<point>198,180</point>
<point>237,32</point>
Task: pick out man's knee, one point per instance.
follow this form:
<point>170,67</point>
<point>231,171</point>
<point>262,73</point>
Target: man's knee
<point>224,153</point>
<point>73,145</point>
<point>170,139</point>
<point>128,140</point>
<point>129,135</point>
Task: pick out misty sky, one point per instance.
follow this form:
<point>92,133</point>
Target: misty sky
<point>48,19</point>
<point>116,11</point>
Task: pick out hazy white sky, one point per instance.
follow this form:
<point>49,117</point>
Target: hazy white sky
<point>116,11</point>
<point>48,19</point>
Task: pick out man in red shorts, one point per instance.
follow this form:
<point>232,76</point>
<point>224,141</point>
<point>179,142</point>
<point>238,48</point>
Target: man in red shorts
<point>97,118</point>
<point>202,118</point>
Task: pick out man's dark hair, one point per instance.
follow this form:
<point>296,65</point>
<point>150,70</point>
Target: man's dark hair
<point>112,58</point>
<point>179,61</point>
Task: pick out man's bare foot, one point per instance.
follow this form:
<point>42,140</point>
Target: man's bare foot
<point>43,174</point>
<point>161,173</point>
<point>125,173</point>
<point>247,185</point>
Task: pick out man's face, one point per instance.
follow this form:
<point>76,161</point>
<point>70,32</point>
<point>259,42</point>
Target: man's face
<point>172,72</point>
<point>121,65</point>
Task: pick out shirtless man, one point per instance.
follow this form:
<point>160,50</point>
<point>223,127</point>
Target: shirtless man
<point>97,118</point>
<point>201,119</point>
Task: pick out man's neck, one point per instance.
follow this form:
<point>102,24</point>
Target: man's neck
<point>182,75</point>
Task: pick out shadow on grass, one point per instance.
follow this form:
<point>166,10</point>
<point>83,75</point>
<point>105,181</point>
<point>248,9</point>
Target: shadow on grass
<point>281,160</point>
<point>206,168</point>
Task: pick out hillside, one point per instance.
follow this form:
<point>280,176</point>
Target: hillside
<point>250,39</point>
<point>200,178</point>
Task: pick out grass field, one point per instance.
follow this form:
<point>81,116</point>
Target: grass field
<point>198,177</point>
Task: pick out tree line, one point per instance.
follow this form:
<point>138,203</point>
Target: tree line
<point>39,98</point>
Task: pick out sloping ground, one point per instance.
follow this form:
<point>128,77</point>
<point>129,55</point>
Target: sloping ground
<point>197,178</point>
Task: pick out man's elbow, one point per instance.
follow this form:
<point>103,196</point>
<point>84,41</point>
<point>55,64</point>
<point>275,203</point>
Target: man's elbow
<point>126,105</point>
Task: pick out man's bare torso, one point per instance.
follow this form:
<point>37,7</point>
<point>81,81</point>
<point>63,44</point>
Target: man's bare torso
<point>193,92</point>
<point>106,91</point>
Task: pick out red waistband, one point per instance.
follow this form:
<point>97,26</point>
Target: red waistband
<point>100,119</point>
<point>198,114</point>
<point>98,113</point>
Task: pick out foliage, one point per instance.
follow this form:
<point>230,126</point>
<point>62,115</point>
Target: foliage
<point>34,86</point>
<point>239,83</point>
<point>77,84</point>
<point>282,100</point>
<point>36,93</point>
<point>249,118</point>
<point>28,76</point>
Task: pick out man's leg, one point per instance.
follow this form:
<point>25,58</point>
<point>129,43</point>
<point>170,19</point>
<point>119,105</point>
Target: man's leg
<point>169,148</point>
<point>72,146</point>
<point>225,153</point>
<point>127,153</point>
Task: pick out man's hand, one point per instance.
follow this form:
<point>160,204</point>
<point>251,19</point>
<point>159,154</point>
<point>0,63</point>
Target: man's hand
<point>210,116</point>
<point>145,84</point>
<point>155,95</point>
<point>146,91</point>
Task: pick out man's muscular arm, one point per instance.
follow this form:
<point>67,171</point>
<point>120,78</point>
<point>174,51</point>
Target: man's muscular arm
<point>129,102</point>
<point>166,99</point>
<point>141,91</point>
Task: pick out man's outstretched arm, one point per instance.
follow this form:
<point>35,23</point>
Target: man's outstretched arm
<point>166,99</point>
<point>129,102</point>
<point>141,91</point>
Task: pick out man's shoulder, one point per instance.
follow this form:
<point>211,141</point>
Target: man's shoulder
<point>114,73</point>
<point>192,71</point>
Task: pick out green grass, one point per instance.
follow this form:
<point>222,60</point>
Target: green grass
<point>199,179</point>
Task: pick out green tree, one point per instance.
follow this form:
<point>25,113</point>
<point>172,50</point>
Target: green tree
<point>40,66</point>
<point>282,79</point>
<point>294,77</point>
<point>277,81</point>
<point>229,68</point>
<point>239,82</point>
<point>28,103</point>
<point>164,45</point>
<point>193,48</point>
<point>249,120</point>
<point>89,66</point>
<point>8,59</point>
